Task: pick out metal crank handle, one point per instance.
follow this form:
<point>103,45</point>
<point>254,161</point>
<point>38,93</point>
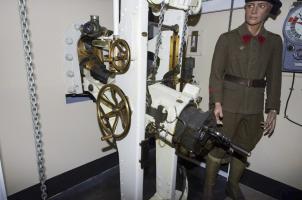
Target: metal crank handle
<point>239,150</point>
<point>107,137</point>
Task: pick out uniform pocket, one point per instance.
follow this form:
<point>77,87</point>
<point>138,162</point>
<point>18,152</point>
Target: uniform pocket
<point>232,96</point>
<point>255,98</point>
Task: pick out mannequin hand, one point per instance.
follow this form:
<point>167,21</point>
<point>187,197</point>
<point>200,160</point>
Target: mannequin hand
<point>270,123</point>
<point>218,113</point>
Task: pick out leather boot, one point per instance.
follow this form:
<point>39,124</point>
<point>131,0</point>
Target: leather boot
<point>232,188</point>
<point>212,168</point>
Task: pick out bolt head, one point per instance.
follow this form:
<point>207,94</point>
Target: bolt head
<point>69,41</point>
<point>69,57</point>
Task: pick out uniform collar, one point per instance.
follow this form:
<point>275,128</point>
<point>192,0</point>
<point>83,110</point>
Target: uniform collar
<point>246,36</point>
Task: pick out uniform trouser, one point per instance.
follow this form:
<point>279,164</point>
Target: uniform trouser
<point>244,130</point>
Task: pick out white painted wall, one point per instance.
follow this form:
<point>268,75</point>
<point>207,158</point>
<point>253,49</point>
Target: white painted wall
<point>278,157</point>
<point>70,132</point>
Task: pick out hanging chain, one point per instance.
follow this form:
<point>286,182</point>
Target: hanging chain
<point>158,39</point>
<point>183,39</point>
<point>33,96</point>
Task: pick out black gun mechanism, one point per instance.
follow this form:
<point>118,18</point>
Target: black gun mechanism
<point>196,134</point>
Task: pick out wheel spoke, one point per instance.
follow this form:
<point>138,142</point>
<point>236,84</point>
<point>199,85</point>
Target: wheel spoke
<point>110,128</point>
<point>113,94</point>
<point>123,48</point>
<point>107,102</point>
<point>110,114</point>
<point>119,58</point>
<point>102,112</point>
<point>124,118</point>
<point>124,51</point>
<point>106,97</point>
<point>104,120</point>
<point>121,104</point>
<point>115,125</point>
<point>119,48</point>
<point>125,57</point>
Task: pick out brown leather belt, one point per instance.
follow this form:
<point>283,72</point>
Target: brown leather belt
<point>257,83</point>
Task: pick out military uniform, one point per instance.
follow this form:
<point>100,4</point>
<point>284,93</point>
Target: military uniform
<point>243,66</point>
<point>239,54</point>
<point>250,58</point>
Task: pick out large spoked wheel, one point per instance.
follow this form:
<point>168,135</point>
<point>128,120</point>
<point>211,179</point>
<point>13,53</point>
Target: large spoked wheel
<point>120,56</point>
<point>113,112</point>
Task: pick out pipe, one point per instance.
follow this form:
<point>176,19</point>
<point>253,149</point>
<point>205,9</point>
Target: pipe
<point>231,15</point>
<point>116,11</point>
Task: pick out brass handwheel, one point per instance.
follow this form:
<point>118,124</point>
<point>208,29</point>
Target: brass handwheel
<point>119,56</point>
<point>113,112</point>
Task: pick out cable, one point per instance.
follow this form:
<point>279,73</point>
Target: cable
<point>170,122</point>
<point>231,15</point>
<point>287,101</point>
<point>184,180</point>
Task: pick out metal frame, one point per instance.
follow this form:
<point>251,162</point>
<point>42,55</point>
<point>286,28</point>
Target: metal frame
<point>220,5</point>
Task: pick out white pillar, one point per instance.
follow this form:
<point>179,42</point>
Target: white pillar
<point>2,185</point>
<point>133,28</point>
<point>116,9</point>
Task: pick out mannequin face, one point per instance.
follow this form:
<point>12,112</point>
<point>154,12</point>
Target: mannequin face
<point>256,12</point>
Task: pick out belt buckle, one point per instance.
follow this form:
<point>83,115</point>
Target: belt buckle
<point>249,83</point>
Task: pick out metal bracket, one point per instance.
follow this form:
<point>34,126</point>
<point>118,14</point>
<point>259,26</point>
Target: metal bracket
<point>144,153</point>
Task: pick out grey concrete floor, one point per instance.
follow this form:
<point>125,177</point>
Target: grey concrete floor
<point>106,186</point>
<point>252,194</point>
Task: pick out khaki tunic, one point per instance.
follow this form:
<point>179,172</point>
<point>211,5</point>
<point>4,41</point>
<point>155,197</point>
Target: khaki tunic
<point>259,58</point>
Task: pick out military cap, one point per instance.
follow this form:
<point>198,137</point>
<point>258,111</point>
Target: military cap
<point>276,5</point>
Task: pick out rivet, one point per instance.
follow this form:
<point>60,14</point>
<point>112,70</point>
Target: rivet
<point>179,101</point>
<point>71,89</point>
<point>69,57</point>
<point>69,41</point>
<point>70,73</point>
<point>77,26</point>
<point>144,34</point>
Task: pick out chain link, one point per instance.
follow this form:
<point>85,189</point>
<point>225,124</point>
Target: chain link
<point>183,38</point>
<point>33,96</point>
<point>158,39</point>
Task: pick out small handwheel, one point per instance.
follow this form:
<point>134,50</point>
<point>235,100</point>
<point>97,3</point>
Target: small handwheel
<point>119,56</point>
<point>113,112</point>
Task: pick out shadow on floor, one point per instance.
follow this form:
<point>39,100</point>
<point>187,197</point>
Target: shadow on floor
<point>106,186</point>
